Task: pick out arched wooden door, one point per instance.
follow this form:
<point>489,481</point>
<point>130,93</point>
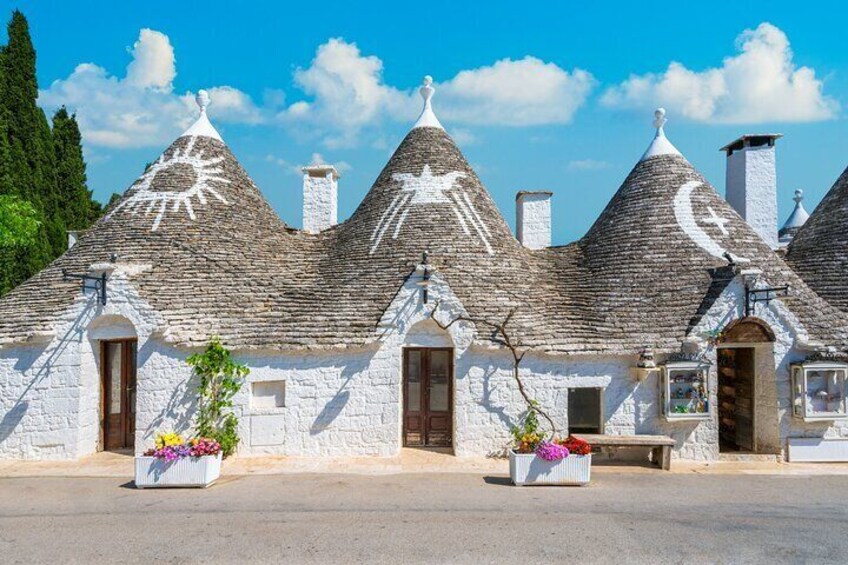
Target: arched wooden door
<point>427,397</point>
<point>118,377</point>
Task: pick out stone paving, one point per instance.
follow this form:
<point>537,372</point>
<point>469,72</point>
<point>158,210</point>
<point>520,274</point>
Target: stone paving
<point>106,464</point>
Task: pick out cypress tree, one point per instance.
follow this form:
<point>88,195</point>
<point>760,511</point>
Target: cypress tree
<point>39,167</point>
<point>79,209</point>
<point>31,169</point>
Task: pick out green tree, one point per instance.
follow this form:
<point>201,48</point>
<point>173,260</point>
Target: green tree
<point>31,172</point>
<point>20,224</point>
<point>79,209</point>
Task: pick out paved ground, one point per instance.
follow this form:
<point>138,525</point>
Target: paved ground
<point>622,517</point>
<point>108,464</point>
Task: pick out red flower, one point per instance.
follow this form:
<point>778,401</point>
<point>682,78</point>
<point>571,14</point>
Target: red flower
<point>576,446</point>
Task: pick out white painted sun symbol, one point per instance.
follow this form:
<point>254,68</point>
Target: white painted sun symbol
<point>158,197</point>
<point>425,189</point>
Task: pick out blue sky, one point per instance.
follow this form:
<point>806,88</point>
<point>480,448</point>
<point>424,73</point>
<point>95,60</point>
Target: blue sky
<point>554,96</point>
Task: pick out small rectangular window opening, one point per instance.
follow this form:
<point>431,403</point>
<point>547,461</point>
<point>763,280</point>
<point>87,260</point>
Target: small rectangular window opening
<point>585,410</point>
<point>267,394</point>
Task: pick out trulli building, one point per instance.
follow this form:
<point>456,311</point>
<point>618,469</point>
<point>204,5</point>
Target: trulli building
<point>343,324</point>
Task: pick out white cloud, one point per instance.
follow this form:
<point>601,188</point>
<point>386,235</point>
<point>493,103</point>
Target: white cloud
<point>587,165</point>
<point>760,84</point>
<point>153,63</point>
<point>348,95</point>
<point>141,109</point>
<point>526,92</point>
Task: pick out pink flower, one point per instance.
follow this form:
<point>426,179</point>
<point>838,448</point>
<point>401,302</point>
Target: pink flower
<point>551,451</point>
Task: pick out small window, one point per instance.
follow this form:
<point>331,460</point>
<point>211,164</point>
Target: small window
<point>818,391</point>
<point>684,391</point>
<point>585,410</point>
<point>267,394</point>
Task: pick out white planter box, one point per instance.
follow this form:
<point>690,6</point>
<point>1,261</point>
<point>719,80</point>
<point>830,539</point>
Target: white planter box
<point>151,472</point>
<point>530,469</point>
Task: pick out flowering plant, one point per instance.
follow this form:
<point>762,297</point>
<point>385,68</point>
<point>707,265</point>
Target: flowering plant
<point>168,439</point>
<point>528,438</point>
<point>171,446</point>
<point>576,446</point>
<point>716,336</point>
<point>526,435</point>
<point>551,451</point>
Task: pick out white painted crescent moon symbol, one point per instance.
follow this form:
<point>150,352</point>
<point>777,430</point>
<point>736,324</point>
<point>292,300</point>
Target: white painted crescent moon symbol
<point>686,220</point>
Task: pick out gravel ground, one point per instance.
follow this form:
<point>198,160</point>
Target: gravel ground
<point>432,518</point>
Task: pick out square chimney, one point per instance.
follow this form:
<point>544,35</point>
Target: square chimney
<point>751,182</point>
<point>320,197</point>
<point>533,218</point>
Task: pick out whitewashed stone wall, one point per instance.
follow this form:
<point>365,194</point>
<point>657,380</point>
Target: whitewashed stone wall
<point>348,401</point>
<point>50,386</point>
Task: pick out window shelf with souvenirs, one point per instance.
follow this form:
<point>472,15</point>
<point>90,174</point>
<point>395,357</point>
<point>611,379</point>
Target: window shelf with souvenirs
<point>818,390</point>
<point>684,390</point>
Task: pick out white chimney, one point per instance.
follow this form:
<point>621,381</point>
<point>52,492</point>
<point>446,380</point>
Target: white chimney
<point>533,218</point>
<point>751,182</point>
<point>320,197</point>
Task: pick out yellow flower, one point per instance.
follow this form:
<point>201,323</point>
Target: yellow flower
<point>168,439</point>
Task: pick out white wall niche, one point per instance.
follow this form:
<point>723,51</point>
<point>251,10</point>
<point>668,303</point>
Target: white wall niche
<point>267,395</point>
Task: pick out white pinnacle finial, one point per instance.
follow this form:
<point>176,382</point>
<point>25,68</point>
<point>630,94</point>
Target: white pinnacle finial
<point>427,118</point>
<point>427,89</point>
<point>659,118</point>
<point>202,100</point>
<point>660,145</point>
<point>796,219</point>
<point>202,126</point>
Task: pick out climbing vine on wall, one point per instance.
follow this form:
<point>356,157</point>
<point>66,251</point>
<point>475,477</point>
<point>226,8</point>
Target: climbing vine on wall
<point>221,378</point>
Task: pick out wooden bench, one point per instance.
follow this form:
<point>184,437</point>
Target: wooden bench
<point>660,445</point>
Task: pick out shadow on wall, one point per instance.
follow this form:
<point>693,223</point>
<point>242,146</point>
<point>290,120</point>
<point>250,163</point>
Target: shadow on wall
<point>330,411</point>
<point>485,400</point>
<point>12,418</point>
<point>178,412</point>
<point>333,408</point>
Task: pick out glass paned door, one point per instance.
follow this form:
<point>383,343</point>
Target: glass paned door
<point>427,391</point>
<point>118,363</point>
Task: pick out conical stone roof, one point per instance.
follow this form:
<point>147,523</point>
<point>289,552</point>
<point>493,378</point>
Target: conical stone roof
<point>428,199</point>
<point>819,251</point>
<point>657,258</point>
<point>193,235</point>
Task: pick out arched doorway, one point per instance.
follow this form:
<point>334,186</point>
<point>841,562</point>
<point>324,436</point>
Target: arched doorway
<point>427,393</point>
<point>115,342</point>
<point>743,343</point>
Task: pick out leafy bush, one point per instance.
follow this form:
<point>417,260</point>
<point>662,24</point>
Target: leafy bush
<point>527,435</point>
<point>19,222</point>
<point>220,380</point>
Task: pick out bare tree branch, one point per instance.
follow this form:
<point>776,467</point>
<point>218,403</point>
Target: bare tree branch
<point>500,335</point>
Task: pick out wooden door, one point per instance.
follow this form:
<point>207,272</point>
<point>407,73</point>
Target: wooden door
<point>118,362</point>
<point>745,363</point>
<point>427,397</point>
<point>736,372</point>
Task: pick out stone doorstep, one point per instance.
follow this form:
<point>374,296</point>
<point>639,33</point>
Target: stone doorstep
<point>409,461</point>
